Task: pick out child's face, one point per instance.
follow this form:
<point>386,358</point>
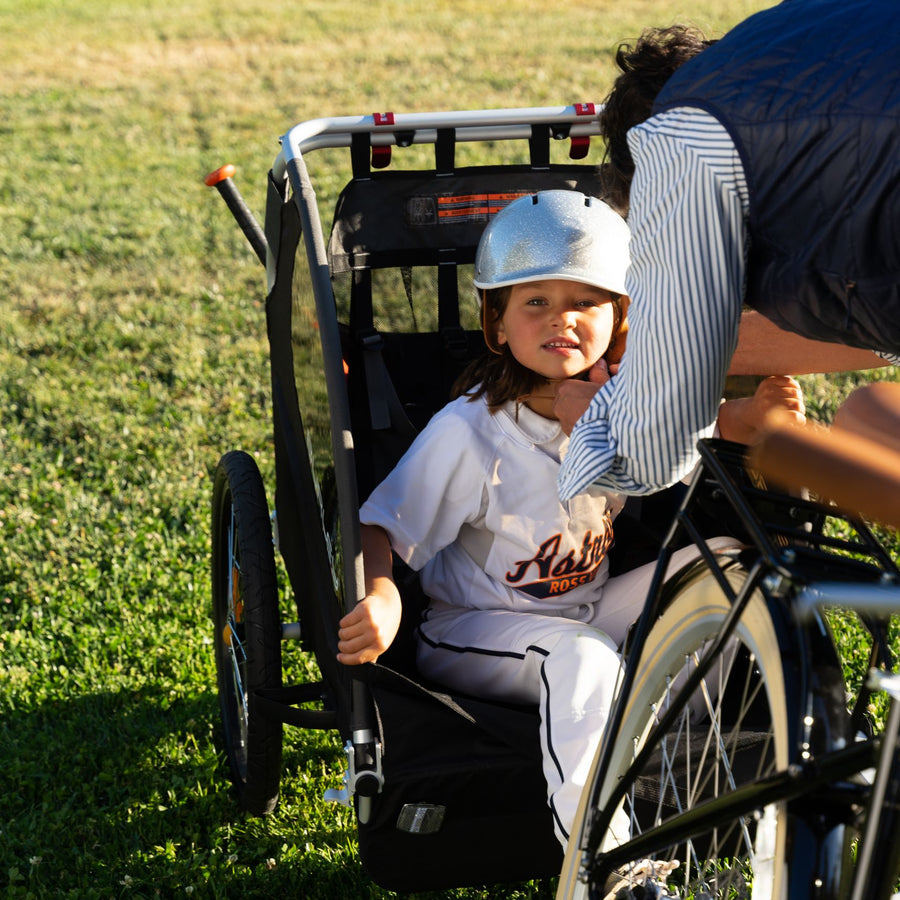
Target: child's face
<point>557,328</point>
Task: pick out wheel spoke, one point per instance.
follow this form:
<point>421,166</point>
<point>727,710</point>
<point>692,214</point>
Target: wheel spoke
<point>238,664</point>
<point>723,737</point>
<point>236,654</point>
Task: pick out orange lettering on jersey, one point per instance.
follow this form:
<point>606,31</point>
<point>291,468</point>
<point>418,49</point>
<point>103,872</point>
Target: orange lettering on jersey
<point>550,573</point>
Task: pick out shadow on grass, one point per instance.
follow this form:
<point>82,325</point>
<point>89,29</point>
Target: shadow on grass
<point>127,795</point>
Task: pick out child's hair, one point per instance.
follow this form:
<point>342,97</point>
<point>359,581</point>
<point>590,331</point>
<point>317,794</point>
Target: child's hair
<point>497,375</point>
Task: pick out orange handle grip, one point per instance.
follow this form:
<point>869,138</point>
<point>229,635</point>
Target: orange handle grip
<point>220,174</point>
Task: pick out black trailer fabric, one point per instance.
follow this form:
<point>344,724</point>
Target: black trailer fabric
<point>481,763</point>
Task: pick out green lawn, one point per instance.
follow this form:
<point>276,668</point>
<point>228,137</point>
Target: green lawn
<point>133,354</point>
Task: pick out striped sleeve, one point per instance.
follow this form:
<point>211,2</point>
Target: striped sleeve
<point>686,283</point>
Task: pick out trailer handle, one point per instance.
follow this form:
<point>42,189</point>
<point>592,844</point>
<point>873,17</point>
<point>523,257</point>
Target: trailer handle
<point>221,180</point>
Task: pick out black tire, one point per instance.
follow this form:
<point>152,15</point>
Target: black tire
<point>247,629</point>
<point>738,734</point>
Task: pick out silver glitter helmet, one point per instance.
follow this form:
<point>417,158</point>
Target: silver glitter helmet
<point>554,234</point>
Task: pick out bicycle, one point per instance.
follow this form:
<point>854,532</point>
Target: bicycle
<point>731,751</point>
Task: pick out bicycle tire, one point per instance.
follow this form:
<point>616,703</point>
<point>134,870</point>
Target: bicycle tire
<point>247,629</point>
<point>752,857</point>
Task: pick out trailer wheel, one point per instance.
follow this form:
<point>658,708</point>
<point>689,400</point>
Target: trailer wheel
<point>247,629</point>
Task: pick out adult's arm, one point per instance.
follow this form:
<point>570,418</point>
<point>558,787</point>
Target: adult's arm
<point>765,349</point>
<point>688,202</point>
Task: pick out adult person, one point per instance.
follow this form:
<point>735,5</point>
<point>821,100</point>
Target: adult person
<point>760,168</point>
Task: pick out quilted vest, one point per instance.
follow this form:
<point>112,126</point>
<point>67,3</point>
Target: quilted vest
<point>810,93</point>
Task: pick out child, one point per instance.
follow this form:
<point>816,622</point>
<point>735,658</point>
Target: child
<point>521,606</point>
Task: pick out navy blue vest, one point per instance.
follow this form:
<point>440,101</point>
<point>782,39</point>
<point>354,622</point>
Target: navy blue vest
<point>810,92</point>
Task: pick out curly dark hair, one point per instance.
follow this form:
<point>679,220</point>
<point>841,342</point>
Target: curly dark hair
<point>645,67</point>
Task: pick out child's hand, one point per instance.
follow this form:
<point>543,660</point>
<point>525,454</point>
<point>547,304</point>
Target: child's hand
<point>742,420</point>
<point>370,627</point>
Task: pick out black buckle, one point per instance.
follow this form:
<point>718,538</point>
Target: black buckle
<point>369,339</point>
<point>456,342</point>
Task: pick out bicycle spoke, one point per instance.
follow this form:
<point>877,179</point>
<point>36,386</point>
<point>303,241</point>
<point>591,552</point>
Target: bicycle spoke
<point>722,738</point>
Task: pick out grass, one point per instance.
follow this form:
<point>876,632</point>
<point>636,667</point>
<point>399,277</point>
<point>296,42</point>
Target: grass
<point>133,354</point>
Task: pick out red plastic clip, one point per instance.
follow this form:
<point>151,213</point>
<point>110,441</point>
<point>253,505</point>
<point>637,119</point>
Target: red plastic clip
<point>381,155</point>
<point>581,145</point>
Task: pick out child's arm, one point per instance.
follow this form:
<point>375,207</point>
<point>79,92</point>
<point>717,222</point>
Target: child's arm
<point>370,627</point>
<point>741,420</point>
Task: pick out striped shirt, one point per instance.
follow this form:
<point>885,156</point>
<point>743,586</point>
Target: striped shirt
<point>688,215</point>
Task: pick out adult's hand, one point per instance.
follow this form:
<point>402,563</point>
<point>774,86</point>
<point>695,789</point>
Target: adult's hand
<point>574,396</point>
<point>745,419</point>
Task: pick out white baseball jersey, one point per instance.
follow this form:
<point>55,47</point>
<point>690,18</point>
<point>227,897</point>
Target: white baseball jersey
<point>473,506</point>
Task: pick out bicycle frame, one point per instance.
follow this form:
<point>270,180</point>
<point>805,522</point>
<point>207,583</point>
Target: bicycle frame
<point>792,553</point>
<point>881,834</point>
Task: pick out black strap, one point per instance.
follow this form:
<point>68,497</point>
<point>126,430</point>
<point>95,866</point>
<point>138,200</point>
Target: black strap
<point>359,155</point>
<point>277,703</point>
<point>539,147</point>
<point>448,290</point>
<point>378,383</point>
<point>370,344</point>
<point>385,409</point>
<point>455,340</point>
<point>406,278</point>
<point>445,151</point>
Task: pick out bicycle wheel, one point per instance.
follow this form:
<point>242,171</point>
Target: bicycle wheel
<point>247,629</point>
<point>735,729</point>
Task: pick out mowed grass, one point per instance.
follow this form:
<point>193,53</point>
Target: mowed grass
<point>133,354</point>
